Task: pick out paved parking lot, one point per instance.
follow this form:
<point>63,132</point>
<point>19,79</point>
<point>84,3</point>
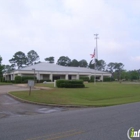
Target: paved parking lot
<point>10,107</point>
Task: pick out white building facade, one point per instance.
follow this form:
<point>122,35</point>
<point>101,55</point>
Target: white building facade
<point>46,71</point>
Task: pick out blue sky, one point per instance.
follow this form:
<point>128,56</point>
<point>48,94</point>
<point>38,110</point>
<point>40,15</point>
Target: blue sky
<point>66,28</point>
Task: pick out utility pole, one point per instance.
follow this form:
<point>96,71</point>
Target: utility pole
<point>96,37</point>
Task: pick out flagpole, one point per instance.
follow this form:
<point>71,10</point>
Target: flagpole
<point>96,37</point>
<point>96,57</point>
<point>95,72</point>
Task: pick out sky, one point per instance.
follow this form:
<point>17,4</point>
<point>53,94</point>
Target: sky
<point>67,27</point>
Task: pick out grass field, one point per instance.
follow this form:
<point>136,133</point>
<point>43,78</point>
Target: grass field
<point>45,85</point>
<point>100,94</point>
<point>1,84</point>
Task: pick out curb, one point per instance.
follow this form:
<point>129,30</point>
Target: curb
<point>50,105</point>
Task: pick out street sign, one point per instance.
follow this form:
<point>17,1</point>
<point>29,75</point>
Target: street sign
<point>31,84</point>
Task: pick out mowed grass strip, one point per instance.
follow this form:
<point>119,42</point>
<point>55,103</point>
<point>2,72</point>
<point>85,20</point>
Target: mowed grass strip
<point>2,84</point>
<point>51,85</point>
<point>100,94</point>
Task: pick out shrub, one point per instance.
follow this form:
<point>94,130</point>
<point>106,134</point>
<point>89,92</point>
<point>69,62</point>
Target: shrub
<point>12,81</point>
<point>2,79</point>
<point>26,78</point>
<point>91,79</point>
<point>107,79</point>
<point>70,84</point>
<point>18,79</point>
<point>84,78</point>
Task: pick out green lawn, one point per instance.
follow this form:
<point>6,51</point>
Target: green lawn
<point>100,94</point>
<point>51,85</point>
<point>1,83</point>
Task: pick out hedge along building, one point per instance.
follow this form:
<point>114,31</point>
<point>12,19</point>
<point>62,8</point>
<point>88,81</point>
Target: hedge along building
<point>46,71</point>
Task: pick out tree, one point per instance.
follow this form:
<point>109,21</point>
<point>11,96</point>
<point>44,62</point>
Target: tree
<point>139,73</point>
<point>37,62</point>
<point>1,68</point>
<point>118,69</point>
<point>8,68</point>
<point>19,59</point>
<point>83,63</point>
<point>134,75</point>
<point>74,63</point>
<point>64,61</point>
<point>50,59</point>
<point>0,60</point>
<point>32,57</point>
<point>100,65</point>
<point>91,65</point>
<point>110,67</point>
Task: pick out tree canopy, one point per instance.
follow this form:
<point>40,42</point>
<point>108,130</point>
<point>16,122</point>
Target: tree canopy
<point>32,57</point>
<point>8,68</point>
<point>83,63</point>
<point>74,63</point>
<point>100,65</point>
<point>1,67</point>
<point>64,61</point>
<point>19,59</point>
<point>50,59</point>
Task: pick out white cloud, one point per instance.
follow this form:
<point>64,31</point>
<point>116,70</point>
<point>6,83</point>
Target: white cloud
<point>66,27</point>
<point>136,58</point>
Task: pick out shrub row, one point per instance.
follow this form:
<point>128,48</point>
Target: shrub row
<point>107,79</point>
<point>70,84</point>
<point>84,78</point>
<point>23,79</point>
<point>2,79</point>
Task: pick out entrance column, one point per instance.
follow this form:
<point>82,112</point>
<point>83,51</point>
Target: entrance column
<point>89,76</point>
<point>51,77</point>
<point>77,76</point>
<point>102,77</point>
<point>66,77</point>
<point>38,76</point>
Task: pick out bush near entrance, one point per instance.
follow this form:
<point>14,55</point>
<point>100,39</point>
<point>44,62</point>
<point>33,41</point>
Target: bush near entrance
<point>84,78</point>
<point>70,84</point>
<point>23,79</point>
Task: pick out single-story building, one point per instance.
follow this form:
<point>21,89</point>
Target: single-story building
<point>48,71</point>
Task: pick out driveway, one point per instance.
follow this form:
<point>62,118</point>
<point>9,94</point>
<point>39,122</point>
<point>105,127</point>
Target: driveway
<point>10,107</point>
<point>7,88</point>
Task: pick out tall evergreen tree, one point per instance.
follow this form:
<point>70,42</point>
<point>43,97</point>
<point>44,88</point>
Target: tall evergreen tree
<point>50,59</point>
<point>19,59</point>
<point>64,61</point>
<point>32,57</point>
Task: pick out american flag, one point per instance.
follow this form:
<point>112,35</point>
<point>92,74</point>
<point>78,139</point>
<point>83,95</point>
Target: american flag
<point>93,55</point>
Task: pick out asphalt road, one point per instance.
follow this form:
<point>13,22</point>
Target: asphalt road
<point>108,123</point>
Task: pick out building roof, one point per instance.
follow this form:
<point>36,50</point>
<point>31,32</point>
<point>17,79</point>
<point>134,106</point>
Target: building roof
<point>44,66</point>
